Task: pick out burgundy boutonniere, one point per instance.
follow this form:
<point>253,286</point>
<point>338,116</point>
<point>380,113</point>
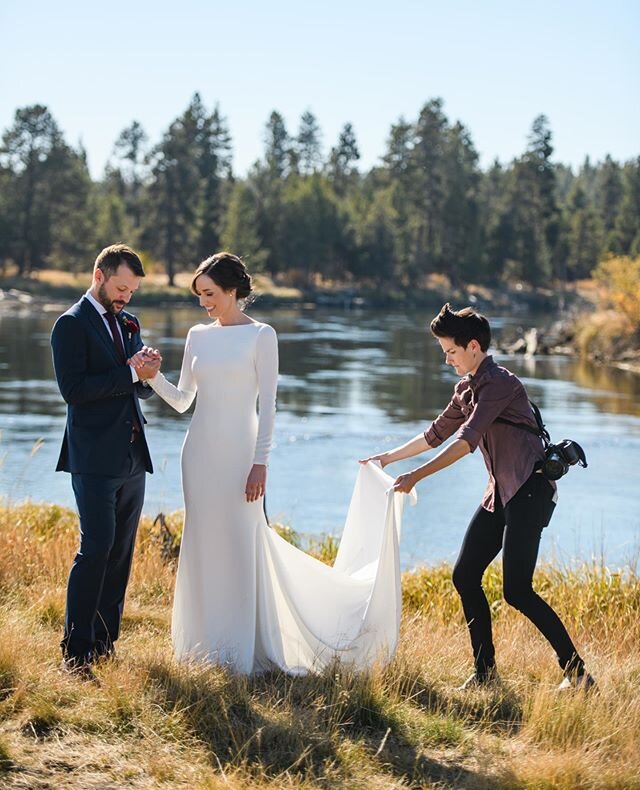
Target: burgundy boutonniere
<point>130,326</point>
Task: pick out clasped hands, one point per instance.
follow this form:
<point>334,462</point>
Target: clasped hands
<point>146,362</point>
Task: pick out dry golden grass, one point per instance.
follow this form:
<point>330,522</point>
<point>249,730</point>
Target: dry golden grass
<point>151,722</point>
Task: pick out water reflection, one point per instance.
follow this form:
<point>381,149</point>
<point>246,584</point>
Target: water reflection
<point>351,384</point>
<point>345,362</point>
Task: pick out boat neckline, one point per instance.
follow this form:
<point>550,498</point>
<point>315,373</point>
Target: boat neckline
<point>234,326</point>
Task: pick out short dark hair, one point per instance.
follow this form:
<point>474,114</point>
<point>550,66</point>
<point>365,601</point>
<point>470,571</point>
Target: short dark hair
<point>227,271</point>
<point>463,326</point>
<point>113,256</point>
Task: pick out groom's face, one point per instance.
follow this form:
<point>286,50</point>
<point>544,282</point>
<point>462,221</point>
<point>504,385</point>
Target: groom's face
<point>115,292</point>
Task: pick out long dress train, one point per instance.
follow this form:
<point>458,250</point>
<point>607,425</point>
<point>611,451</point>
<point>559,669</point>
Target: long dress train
<point>244,596</point>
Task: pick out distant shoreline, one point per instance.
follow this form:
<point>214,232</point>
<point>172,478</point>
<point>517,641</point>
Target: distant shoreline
<point>55,289</point>
<point>567,338</point>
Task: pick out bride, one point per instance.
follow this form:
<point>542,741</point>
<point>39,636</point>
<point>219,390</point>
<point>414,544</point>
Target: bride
<point>245,597</point>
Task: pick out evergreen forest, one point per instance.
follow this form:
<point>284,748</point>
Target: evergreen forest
<point>306,212</point>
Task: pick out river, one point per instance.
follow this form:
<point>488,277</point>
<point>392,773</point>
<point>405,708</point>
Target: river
<point>351,384</point>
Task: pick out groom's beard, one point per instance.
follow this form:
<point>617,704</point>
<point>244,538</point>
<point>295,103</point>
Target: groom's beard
<point>111,305</point>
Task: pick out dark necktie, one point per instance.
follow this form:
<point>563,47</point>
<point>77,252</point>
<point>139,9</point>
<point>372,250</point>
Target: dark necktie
<point>117,338</point>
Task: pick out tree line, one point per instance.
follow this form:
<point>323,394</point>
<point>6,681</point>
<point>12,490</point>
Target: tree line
<point>426,207</point>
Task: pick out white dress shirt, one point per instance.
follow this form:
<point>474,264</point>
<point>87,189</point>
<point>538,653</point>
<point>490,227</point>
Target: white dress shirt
<point>102,311</point>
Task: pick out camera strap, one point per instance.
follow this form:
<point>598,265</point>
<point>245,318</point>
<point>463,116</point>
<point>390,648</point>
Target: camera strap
<point>541,432</point>
<point>552,451</point>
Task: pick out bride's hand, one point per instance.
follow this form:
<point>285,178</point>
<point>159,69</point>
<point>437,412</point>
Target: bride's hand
<point>382,457</point>
<point>256,482</point>
<point>144,357</point>
<point>404,483</point>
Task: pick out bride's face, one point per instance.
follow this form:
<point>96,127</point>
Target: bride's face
<point>216,301</point>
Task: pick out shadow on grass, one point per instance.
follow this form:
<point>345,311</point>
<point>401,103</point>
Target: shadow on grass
<point>273,723</point>
<point>497,709</point>
<point>6,763</point>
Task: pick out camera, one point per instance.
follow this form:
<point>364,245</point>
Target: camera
<point>559,457</point>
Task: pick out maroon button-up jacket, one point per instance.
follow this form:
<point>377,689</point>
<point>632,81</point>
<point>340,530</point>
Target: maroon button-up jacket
<point>510,453</point>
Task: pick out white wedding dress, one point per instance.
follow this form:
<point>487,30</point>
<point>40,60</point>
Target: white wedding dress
<point>244,596</point>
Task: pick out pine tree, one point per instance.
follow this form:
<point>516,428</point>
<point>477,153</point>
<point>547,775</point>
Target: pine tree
<point>428,187</point>
<point>131,151</point>
<point>241,230</point>
<point>49,194</point>
<point>461,231</point>
<point>313,228</point>
<point>584,238</point>
<point>342,168</point>
<point>171,230</point>
<point>493,221</point>
<point>608,192</point>
<point>72,223</point>
<point>208,138</point>
<point>308,144</point>
<point>29,150</point>
<point>277,146</point>
<point>7,227</point>
<point>627,225</point>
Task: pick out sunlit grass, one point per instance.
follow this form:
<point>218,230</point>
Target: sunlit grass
<point>151,722</point>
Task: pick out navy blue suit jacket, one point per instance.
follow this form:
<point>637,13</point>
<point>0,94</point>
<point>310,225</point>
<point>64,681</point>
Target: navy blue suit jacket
<point>100,393</point>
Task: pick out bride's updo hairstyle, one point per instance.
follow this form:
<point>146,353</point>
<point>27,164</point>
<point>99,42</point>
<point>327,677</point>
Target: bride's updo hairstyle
<point>463,326</point>
<point>228,272</point>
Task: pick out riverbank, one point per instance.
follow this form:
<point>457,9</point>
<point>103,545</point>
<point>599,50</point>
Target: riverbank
<point>51,288</point>
<point>602,336</point>
<point>152,723</point>
<point>586,330</point>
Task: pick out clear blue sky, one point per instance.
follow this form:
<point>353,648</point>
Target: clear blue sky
<point>497,64</point>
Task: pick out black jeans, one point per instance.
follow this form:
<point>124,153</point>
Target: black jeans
<point>109,510</point>
<point>516,529</point>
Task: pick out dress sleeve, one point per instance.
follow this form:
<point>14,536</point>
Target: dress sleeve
<point>180,397</point>
<point>266,361</point>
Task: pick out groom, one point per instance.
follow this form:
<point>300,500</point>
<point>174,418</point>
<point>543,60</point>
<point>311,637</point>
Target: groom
<point>104,448</point>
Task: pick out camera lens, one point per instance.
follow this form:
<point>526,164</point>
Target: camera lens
<point>554,467</point>
<point>569,452</point>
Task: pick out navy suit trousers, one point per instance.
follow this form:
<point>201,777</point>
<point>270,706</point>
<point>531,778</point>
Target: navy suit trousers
<point>109,510</point>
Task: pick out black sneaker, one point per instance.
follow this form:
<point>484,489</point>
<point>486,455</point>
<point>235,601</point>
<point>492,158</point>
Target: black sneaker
<point>104,652</point>
<point>78,666</point>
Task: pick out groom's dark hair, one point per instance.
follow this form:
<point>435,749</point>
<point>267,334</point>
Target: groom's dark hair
<point>113,256</point>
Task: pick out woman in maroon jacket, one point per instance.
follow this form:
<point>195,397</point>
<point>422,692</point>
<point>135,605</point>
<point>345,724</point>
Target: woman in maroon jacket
<point>518,502</point>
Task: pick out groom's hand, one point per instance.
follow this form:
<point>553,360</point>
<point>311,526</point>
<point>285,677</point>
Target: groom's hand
<point>149,369</point>
<point>146,362</point>
<point>143,356</point>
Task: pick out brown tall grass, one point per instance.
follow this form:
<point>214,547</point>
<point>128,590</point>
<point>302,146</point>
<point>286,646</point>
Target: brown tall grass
<point>151,722</point>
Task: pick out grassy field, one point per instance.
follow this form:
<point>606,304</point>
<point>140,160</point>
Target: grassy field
<point>153,723</point>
